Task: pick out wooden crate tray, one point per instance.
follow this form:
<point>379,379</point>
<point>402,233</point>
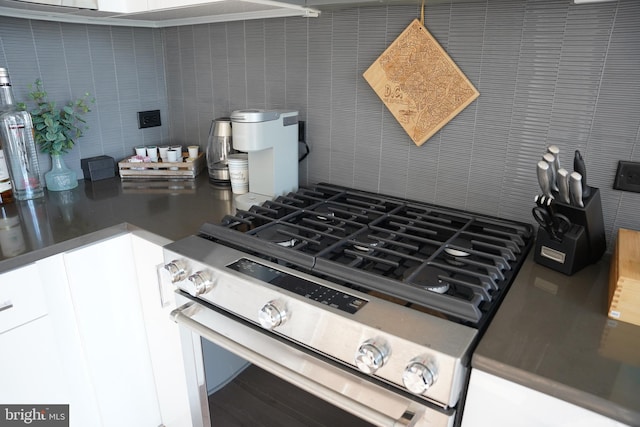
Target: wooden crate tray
<point>161,170</point>
<point>163,186</point>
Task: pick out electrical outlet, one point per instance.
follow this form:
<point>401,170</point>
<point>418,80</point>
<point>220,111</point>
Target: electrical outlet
<point>627,176</point>
<point>148,119</point>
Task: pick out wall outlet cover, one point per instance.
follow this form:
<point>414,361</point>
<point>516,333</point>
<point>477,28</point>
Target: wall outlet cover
<point>148,119</point>
<point>627,176</point>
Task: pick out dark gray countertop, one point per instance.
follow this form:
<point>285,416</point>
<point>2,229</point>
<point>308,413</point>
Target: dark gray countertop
<point>551,333</point>
<point>67,219</point>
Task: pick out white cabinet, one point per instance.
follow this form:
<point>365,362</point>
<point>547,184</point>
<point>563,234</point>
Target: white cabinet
<point>137,6</point>
<point>21,297</point>
<point>123,6</point>
<point>131,345</point>
<point>30,366</point>
<point>493,401</point>
<point>82,399</point>
<point>150,6</point>
<point>168,4</point>
<point>41,361</point>
<point>163,335</point>
<point>155,13</point>
<point>108,316</point>
<point>89,328</point>
<point>89,4</point>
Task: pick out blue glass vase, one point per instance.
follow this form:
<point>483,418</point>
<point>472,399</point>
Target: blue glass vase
<point>60,177</point>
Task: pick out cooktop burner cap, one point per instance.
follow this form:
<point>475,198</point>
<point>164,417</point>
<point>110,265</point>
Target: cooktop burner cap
<point>276,235</point>
<point>323,212</point>
<point>427,278</point>
<point>365,243</point>
<point>461,242</point>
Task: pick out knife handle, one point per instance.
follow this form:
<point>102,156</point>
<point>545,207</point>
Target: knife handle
<point>550,158</point>
<point>553,149</point>
<point>575,189</point>
<point>581,168</point>
<point>563,186</point>
<point>544,180</point>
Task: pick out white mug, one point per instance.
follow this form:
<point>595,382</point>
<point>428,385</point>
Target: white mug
<point>178,148</point>
<point>141,150</point>
<point>172,156</point>
<point>163,152</point>
<point>152,151</point>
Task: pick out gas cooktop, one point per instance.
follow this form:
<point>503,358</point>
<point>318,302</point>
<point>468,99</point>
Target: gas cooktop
<point>447,262</point>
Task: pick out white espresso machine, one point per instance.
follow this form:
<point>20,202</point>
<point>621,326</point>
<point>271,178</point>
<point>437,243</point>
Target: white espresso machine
<point>270,138</point>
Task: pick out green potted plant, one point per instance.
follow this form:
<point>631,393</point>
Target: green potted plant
<point>56,131</point>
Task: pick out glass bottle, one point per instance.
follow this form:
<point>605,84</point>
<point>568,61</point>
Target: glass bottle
<point>6,191</point>
<point>11,237</point>
<point>16,132</point>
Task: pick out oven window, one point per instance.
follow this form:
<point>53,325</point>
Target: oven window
<point>257,398</point>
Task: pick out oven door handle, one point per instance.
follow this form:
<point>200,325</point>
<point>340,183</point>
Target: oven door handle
<point>182,316</point>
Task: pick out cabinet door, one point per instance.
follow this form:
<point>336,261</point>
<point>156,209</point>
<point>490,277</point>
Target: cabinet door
<point>168,4</point>
<point>82,401</point>
<point>30,368</point>
<point>163,335</point>
<point>104,292</point>
<point>493,401</point>
<point>21,298</point>
<point>123,6</point>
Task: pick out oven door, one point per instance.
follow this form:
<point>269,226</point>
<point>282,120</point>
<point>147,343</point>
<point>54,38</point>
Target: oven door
<point>306,370</point>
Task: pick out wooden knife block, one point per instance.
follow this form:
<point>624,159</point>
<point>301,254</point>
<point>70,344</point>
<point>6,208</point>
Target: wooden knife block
<point>624,278</point>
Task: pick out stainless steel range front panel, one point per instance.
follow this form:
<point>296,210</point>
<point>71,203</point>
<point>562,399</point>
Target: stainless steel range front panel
<point>372,402</point>
<point>330,330</point>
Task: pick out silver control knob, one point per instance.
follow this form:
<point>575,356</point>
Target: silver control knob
<point>272,314</point>
<point>372,355</point>
<point>200,283</point>
<point>419,376</point>
<point>177,270</point>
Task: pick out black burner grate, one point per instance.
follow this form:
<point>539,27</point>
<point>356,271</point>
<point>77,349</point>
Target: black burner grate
<point>454,262</point>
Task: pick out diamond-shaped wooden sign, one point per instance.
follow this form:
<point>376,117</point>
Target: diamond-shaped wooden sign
<point>419,83</point>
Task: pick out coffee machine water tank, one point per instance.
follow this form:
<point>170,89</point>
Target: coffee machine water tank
<point>270,137</point>
<point>218,150</point>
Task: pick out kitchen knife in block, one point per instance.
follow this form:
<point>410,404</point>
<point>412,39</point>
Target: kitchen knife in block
<point>563,186</point>
<point>567,256</point>
<point>590,217</point>
<point>544,177</point>
<point>553,149</point>
<point>575,189</point>
<point>549,158</point>
<point>581,168</point>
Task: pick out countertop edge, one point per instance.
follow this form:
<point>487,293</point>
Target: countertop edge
<point>555,389</point>
<point>147,235</point>
<point>68,245</point>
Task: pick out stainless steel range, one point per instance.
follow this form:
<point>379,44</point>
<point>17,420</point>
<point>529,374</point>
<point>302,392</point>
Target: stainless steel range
<point>370,302</point>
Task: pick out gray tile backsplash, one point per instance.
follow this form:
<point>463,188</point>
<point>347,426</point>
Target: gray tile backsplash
<point>122,67</point>
<point>548,72</point>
